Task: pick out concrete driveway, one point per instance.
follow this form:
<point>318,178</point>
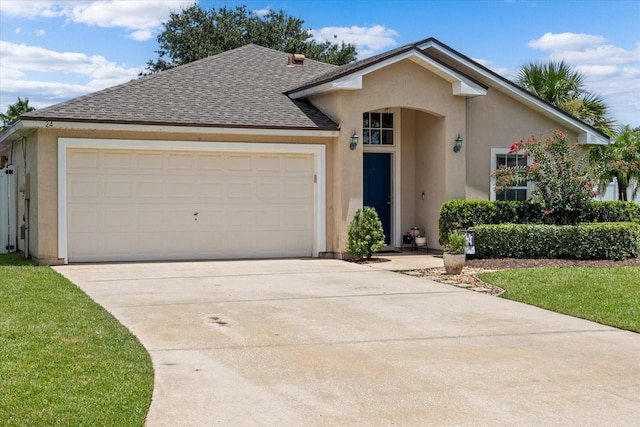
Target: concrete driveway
<point>325,342</point>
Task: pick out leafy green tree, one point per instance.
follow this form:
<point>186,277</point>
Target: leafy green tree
<point>15,110</point>
<point>365,234</point>
<point>619,160</point>
<point>195,33</point>
<point>562,186</point>
<point>564,87</point>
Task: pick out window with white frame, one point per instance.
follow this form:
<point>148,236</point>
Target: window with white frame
<point>377,128</point>
<point>502,157</point>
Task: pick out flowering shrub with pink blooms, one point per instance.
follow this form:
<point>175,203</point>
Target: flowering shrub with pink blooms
<point>562,186</point>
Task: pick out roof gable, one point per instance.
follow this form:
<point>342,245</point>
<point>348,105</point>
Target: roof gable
<point>586,134</point>
<point>350,76</point>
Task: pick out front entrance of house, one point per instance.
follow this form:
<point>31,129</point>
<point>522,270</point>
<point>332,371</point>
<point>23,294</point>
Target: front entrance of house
<point>377,188</point>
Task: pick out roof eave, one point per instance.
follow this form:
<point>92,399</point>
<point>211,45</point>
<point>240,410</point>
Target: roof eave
<point>211,129</point>
<point>14,132</point>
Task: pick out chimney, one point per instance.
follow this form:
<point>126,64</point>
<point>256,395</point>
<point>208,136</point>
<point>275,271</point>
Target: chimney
<point>295,59</point>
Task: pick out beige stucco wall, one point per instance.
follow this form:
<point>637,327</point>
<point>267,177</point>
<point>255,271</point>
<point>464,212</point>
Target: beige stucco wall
<point>42,164</point>
<point>497,121</point>
<point>431,118</point>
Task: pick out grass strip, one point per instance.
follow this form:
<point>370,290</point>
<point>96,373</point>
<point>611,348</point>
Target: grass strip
<point>610,296</point>
<point>65,361</point>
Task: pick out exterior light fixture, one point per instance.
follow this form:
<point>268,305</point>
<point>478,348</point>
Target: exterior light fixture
<point>458,144</point>
<point>354,140</point>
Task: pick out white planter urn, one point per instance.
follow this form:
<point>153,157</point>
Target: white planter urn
<point>453,263</point>
<point>421,241</point>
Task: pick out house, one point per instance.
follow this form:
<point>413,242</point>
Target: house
<point>255,153</point>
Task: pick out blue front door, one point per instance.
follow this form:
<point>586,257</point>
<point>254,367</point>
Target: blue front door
<point>377,188</point>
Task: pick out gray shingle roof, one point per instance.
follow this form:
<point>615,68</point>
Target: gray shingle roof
<point>239,88</point>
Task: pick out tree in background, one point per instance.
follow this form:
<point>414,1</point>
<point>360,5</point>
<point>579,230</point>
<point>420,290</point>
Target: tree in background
<point>560,175</point>
<point>560,85</point>
<point>619,160</point>
<point>15,110</point>
<point>196,33</point>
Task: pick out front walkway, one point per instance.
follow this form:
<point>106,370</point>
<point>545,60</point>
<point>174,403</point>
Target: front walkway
<point>324,342</point>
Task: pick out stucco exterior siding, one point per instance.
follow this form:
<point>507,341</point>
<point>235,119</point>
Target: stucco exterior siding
<point>497,121</point>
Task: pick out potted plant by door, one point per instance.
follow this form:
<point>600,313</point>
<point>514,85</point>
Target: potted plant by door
<point>454,252</point>
<point>421,239</point>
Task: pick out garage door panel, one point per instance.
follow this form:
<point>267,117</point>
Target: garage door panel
<point>211,163</point>
<point>83,161</point>
<point>149,217</point>
<point>271,164</point>
<point>145,161</point>
<point>240,162</point>
<point>87,188</point>
<point>83,219</point>
<point>117,218</point>
<point>116,161</point>
<point>149,190</point>
<point>117,190</point>
<point>299,164</point>
<point>141,205</point>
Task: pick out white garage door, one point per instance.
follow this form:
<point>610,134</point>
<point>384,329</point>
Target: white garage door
<point>127,205</point>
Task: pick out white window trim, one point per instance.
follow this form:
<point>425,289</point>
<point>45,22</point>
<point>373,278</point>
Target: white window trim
<point>318,151</point>
<point>494,165</point>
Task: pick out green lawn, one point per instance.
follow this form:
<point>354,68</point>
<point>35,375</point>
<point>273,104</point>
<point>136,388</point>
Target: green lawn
<point>65,361</point>
<point>610,296</point>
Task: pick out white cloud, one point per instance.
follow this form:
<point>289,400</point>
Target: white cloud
<point>36,8</point>
<point>139,17</point>
<point>18,30</point>
<point>25,67</point>
<point>263,12</point>
<point>565,41</point>
<point>40,33</point>
<point>368,40</point>
<point>612,72</point>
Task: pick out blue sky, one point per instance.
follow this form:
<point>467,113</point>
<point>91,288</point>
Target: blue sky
<point>52,50</point>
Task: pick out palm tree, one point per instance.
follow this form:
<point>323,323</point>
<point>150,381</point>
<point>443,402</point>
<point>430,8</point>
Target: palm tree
<point>15,110</point>
<point>564,87</point>
<point>619,160</point>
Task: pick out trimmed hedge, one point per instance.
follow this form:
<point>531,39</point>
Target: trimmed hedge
<point>616,241</point>
<point>465,214</point>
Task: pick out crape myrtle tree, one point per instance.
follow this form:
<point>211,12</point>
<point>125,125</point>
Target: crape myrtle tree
<point>619,160</point>
<point>560,85</point>
<point>195,33</point>
<point>559,172</point>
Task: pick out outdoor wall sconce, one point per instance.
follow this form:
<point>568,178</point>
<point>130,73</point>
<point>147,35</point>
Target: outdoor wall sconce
<point>458,144</point>
<point>354,140</point>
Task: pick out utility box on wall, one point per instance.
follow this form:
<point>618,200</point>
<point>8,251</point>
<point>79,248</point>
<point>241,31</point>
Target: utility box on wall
<point>8,210</point>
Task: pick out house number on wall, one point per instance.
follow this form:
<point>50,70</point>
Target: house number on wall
<point>48,124</point>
